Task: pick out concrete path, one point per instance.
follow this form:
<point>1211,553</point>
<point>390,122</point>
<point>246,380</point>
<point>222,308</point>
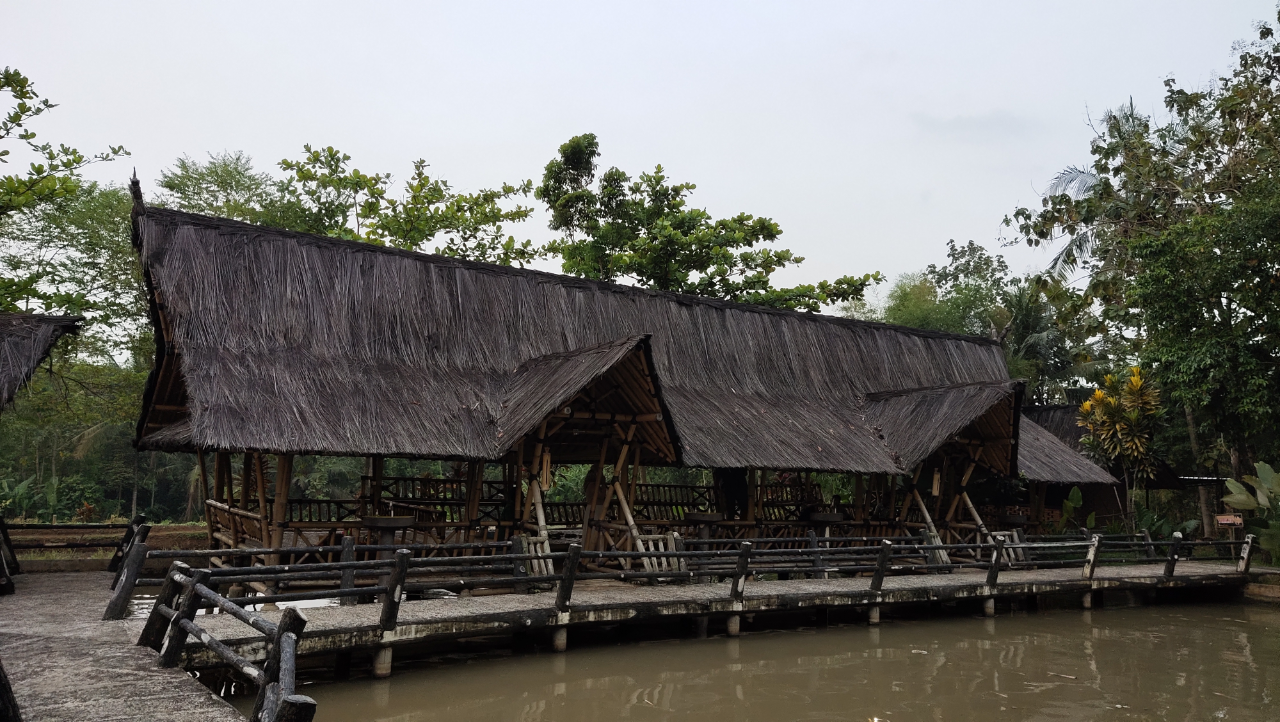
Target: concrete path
<point>67,664</point>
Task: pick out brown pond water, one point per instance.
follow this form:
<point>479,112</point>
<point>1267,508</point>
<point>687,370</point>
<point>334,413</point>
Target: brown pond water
<point>1176,662</point>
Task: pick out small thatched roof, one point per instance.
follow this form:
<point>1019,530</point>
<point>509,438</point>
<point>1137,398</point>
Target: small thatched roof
<point>1043,457</point>
<point>276,341</point>
<point>25,341</point>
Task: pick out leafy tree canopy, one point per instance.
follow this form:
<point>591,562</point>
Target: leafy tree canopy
<point>55,174</point>
<point>322,193</point>
<point>644,230</point>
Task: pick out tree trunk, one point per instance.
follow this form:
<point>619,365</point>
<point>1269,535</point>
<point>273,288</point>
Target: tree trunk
<point>1207,527</point>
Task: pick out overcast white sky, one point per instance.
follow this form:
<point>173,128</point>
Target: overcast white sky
<point>872,132</point>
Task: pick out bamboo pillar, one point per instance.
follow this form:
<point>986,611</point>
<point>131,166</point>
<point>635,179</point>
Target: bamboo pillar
<point>753,494</point>
<point>475,487</point>
<point>264,514</point>
<point>375,466</point>
<point>246,472</point>
<point>204,495</point>
<point>280,507</point>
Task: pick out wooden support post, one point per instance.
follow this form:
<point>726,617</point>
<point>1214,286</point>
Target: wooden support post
<point>1091,557</point>
<point>220,492</point>
<point>817,555</point>
<point>395,591</point>
<point>264,512</point>
<point>882,565</point>
<point>157,624</point>
<point>519,567</point>
<point>873,615</point>
<point>753,493</point>
<point>564,593</point>
<point>296,708</point>
<point>123,548</point>
<point>279,655</point>
<point>348,575</point>
<point>118,605</point>
<point>138,536</point>
<point>246,478</point>
<point>176,639</point>
<point>989,607</point>
<point>1173,555</point>
<point>375,465</point>
<point>740,571</point>
<point>280,506</point>
<point>1146,540</point>
<point>1246,554</point>
<point>993,571</point>
<point>475,489</point>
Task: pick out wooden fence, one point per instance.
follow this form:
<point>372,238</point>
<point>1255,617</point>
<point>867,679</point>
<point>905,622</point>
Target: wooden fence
<point>133,532</point>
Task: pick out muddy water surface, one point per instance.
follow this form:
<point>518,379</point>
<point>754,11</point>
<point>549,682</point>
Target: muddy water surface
<point>1185,662</point>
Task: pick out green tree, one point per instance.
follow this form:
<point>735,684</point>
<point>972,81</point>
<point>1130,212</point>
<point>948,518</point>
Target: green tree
<point>644,230</point>
<point>56,172</point>
<point>1214,333</point>
<point>226,186</point>
<point>325,195</point>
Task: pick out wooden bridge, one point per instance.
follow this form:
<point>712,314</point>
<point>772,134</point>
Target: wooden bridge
<point>65,662</point>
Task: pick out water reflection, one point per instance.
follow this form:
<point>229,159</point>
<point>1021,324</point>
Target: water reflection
<point>1156,663</point>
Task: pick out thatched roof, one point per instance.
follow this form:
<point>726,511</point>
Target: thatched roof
<point>276,341</point>
<point>1043,457</point>
<point>25,340</point>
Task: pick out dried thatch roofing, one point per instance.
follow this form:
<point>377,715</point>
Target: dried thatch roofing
<point>1043,457</point>
<point>278,341</point>
<point>25,340</point>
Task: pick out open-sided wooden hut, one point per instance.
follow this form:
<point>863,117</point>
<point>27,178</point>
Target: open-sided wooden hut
<point>273,342</point>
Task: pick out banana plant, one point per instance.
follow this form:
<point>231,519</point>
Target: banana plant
<point>1262,496</point>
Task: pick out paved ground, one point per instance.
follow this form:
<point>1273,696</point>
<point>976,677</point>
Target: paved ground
<point>66,664</point>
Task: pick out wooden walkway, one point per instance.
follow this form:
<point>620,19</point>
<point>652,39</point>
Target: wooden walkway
<point>331,629</point>
<point>66,664</point>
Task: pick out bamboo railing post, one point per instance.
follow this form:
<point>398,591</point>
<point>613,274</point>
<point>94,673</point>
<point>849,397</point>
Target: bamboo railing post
<point>176,639</point>
<point>291,622</point>
<point>136,536</point>
<point>1146,540</point>
<point>1173,555</point>
<point>882,565</point>
<point>123,548</point>
<point>1246,554</point>
<point>127,581</point>
<point>153,632</point>
<point>296,708</point>
<point>816,550</point>
<point>519,567</point>
<point>1091,557</point>
<point>395,590</point>
<point>740,571</point>
<point>997,557</point>
<point>348,575</point>
<point>564,592</point>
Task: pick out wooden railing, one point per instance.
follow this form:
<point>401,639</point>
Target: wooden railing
<point>135,531</point>
<point>172,620</point>
<point>184,590</point>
